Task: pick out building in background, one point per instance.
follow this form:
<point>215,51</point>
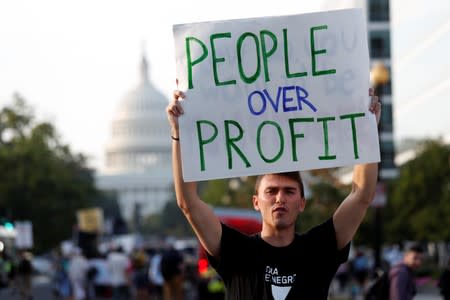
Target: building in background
<point>379,34</point>
<point>379,41</point>
<point>138,160</point>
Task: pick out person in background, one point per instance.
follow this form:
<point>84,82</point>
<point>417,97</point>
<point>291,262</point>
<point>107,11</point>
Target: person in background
<point>78,266</point>
<point>140,264</point>
<point>62,288</point>
<point>277,263</point>
<point>24,273</point>
<point>342,276</point>
<point>444,282</point>
<point>172,270</point>
<point>118,265</point>
<point>360,271</point>
<point>401,276</point>
<point>6,267</point>
<point>101,282</point>
<point>155,276</point>
<point>91,276</point>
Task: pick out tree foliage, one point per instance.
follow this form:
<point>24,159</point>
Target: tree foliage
<point>169,222</point>
<point>232,192</point>
<point>419,201</point>
<point>326,194</point>
<point>41,180</point>
<point>321,205</point>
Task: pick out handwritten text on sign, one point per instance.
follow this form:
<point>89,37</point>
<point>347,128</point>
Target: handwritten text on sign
<point>274,94</point>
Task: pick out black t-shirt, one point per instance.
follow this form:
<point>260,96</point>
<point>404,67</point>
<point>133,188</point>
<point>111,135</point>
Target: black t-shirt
<point>253,269</point>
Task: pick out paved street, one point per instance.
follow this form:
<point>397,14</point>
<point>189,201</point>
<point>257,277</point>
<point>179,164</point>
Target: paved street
<point>41,290</point>
<point>428,297</point>
<point>430,293</point>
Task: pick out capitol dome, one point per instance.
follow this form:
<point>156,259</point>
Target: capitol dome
<point>140,135</point>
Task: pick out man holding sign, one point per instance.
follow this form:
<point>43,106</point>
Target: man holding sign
<point>277,263</point>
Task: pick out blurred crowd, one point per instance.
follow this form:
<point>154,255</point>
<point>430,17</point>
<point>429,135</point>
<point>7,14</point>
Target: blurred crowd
<point>156,273</point>
<point>143,273</point>
<point>166,272</point>
<point>16,272</point>
<point>399,277</point>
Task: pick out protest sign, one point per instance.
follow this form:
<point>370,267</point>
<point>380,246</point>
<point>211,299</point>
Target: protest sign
<point>24,236</point>
<point>90,219</point>
<point>274,94</point>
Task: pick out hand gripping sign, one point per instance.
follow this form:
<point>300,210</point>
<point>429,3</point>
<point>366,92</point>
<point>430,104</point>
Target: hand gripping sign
<point>274,94</point>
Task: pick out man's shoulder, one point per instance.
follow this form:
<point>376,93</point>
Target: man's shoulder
<point>325,226</point>
<point>398,269</point>
<point>230,232</point>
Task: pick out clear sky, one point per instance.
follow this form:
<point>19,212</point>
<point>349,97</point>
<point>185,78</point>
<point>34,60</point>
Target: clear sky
<point>73,61</point>
<point>421,67</point>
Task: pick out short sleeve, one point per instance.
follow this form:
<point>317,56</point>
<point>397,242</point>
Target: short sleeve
<point>324,237</point>
<point>231,255</point>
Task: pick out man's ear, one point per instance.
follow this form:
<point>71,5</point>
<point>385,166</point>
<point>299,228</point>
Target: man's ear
<point>255,202</point>
<point>302,204</point>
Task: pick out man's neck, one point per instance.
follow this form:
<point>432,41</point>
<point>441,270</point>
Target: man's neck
<point>278,238</point>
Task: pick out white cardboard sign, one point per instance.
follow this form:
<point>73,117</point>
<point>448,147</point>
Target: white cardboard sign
<point>24,237</point>
<point>274,94</point>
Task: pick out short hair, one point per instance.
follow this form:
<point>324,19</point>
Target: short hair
<point>415,247</point>
<point>292,175</point>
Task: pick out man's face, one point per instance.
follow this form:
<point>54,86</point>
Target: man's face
<point>279,200</point>
<point>413,259</point>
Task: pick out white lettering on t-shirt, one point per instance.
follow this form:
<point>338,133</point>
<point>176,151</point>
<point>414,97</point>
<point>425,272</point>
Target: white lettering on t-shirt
<point>283,280</point>
<point>272,275</point>
<point>281,283</point>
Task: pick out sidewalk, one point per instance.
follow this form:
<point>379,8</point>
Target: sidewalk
<point>420,296</point>
<point>428,297</point>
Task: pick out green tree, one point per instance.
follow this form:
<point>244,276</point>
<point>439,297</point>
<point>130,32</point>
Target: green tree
<point>419,205</point>
<point>170,221</point>
<point>215,192</point>
<point>173,221</point>
<point>326,195</point>
<point>109,203</point>
<point>230,192</point>
<point>41,180</point>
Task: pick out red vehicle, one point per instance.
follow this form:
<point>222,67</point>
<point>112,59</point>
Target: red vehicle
<point>247,221</point>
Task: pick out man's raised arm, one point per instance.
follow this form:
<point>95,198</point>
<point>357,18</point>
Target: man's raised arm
<point>200,215</point>
<point>352,210</point>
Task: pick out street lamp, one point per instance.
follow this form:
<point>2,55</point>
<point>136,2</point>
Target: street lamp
<point>379,76</point>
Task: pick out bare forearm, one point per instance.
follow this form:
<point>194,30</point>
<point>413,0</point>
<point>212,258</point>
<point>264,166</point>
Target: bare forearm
<point>201,217</point>
<point>183,190</point>
<point>365,181</point>
<point>352,210</point>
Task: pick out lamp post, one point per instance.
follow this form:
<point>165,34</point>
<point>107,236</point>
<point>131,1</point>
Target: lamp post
<point>379,76</point>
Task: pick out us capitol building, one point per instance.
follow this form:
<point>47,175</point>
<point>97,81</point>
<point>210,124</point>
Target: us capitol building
<point>138,154</point>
